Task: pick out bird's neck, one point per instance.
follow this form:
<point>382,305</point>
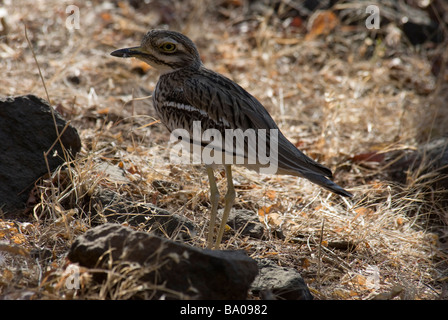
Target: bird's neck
<point>186,69</point>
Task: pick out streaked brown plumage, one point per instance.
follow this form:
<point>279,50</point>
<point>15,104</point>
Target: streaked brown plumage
<point>187,92</point>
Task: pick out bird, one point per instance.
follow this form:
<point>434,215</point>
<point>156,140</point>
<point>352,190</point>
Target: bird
<point>188,93</point>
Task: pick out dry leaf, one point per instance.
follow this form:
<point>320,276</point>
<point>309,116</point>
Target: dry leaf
<point>360,280</point>
<point>264,210</point>
<point>7,275</point>
<point>131,148</point>
<point>378,186</point>
<point>342,294</point>
<point>103,111</point>
<point>14,249</point>
<point>296,22</point>
<point>275,219</point>
<point>271,194</point>
<point>236,3</point>
<point>18,238</point>
<point>369,157</point>
<point>247,186</point>
<point>362,211</point>
<point>133,169</point>
<point>353,293</point>
<point>306,263</point>
<point>106,16</point>
<point>321,22</point>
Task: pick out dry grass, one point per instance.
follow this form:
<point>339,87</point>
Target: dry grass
<point>334,96</point>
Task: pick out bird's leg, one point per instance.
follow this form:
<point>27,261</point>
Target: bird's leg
<point>229,201</point>
<point>214,199</point>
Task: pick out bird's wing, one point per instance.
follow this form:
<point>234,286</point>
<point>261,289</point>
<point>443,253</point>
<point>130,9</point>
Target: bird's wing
<point>226,102</point>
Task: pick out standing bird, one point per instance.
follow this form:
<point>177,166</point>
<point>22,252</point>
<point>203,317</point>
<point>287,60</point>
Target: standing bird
<point>188,93</point>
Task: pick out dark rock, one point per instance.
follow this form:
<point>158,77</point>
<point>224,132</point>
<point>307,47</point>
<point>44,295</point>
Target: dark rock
<point>417,23</point>
<point>116,208</point>
<point>274,282</point>
<point>173,267</point>
<point>27,131</point>
<point>429,163</point>
<point>19,294</point>
<point>245,222</point>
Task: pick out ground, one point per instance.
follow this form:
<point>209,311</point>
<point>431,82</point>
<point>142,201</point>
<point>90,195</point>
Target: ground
<point>339,92</point>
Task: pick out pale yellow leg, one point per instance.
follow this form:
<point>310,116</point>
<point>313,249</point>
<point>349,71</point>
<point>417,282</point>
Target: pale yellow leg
<point>214,199</point>
<point>229,201</point>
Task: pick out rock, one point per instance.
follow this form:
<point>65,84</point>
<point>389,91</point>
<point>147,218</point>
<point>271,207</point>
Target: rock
<point>245,222</point>
<point>113,173</point>
<point>26,132</point>
<point>274,282</point>
<point>429,162</point>
<point>417,21</point>
<point>177,270</point>
<point>116,208</point>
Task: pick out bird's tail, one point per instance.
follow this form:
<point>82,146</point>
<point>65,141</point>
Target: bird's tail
<point>326,183</point>
<point>294,162</point>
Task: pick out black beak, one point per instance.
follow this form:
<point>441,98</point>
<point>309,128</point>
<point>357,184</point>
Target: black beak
<point>127,52</point>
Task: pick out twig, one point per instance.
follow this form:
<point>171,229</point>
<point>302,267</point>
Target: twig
<point>37,64</point>
<point>58,134</point>
<point>319,253</point>
<point>51,108</point>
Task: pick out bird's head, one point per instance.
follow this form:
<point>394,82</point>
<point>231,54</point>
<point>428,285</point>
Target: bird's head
<point>164,50</point>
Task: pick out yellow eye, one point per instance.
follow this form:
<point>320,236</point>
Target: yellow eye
<point>168,47</point>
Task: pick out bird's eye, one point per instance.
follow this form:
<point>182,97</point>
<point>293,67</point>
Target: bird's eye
<point>168,47</point>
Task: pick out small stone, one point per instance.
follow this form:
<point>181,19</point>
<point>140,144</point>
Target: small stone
<point>275,282</point>
<point>246,222</point>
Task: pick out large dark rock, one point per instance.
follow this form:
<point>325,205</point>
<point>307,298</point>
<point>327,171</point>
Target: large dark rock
<point>168,268</point>
<point>27,131</point>
<point>275,282</point>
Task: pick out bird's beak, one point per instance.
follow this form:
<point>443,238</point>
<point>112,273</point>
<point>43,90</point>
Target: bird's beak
<point>128,52</point>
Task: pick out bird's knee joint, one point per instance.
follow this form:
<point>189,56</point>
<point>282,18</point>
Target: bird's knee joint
<point>214,196</point>
<point>230,195</point>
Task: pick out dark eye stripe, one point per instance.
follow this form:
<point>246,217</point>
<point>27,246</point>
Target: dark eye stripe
<point>153,58</point>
